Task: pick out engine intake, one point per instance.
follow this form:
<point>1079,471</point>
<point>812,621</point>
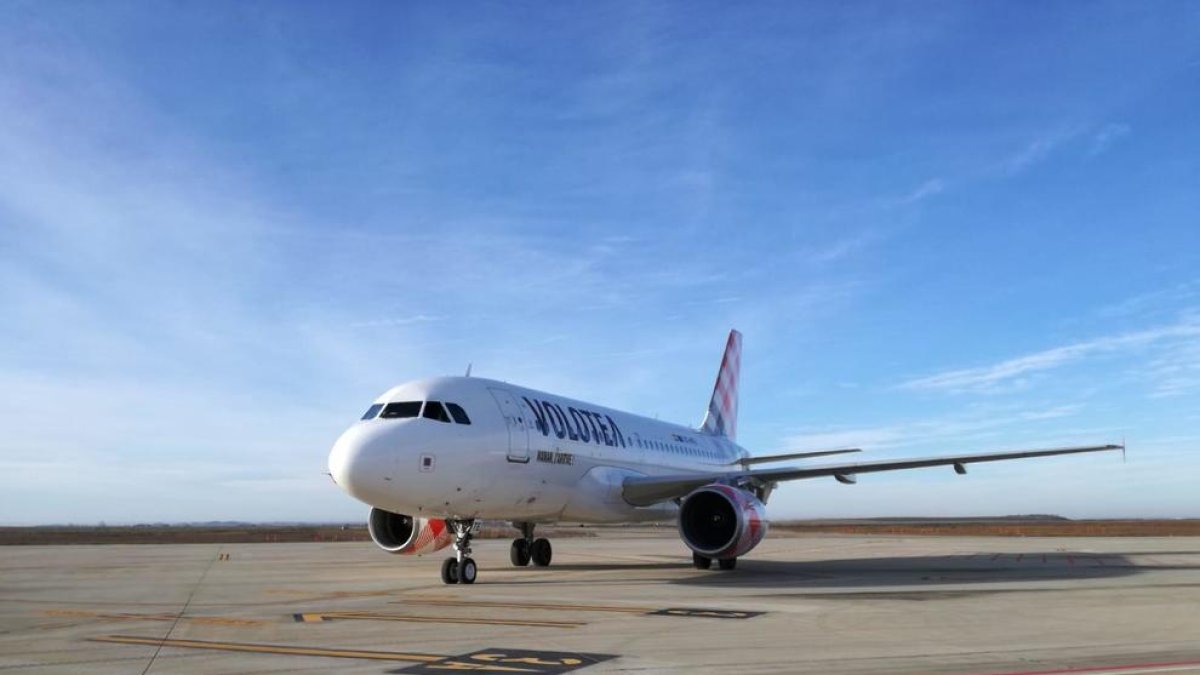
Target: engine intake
<point>720,521</point>
<point>405,535</point>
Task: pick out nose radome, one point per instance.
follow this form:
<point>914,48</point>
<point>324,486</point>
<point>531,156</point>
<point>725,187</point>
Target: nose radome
<point>340,458</point>
<point>361,463</point>
<point>351,460</point>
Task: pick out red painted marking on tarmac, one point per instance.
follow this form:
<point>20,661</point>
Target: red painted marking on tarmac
<point>1101,669</point>
<point>1071,561</point>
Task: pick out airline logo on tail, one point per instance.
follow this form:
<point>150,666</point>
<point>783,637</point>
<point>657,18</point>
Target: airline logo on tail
<point>721,418</point>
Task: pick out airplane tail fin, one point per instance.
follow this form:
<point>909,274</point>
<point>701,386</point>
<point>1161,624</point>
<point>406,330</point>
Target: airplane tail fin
<point>721,418</point>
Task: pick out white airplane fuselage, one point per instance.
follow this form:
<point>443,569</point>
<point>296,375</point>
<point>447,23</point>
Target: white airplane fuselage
<point>526,456</point>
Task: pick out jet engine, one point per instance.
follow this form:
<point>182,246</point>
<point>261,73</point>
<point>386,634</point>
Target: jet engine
<point>722,522</point>
<point>406,535</point>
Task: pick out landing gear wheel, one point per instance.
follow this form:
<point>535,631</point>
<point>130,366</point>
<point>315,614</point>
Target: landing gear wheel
<point>701,562</point>
<point>466,571</point>
<point>519,553</point>
<point>727,563</point>
<point>454,570</point>
<point>450,571</point>
<point>540,552</point>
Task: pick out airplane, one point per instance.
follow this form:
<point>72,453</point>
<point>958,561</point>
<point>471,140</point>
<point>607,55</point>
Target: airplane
<point>434,457</point>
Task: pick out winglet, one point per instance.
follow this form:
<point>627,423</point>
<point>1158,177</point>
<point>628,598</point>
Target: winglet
<point>721,418</point>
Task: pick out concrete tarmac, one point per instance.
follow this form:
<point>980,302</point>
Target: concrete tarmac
<point>623,601</point>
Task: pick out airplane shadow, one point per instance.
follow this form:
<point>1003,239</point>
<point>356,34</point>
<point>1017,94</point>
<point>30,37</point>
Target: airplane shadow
<point>860,574</point>
<point>990,568</point>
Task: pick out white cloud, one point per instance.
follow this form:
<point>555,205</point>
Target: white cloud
<point>975,426</point>
<point>1109,134</point>
<point>1038,150</point>
<point>930,188</point>
<point>990,378</point>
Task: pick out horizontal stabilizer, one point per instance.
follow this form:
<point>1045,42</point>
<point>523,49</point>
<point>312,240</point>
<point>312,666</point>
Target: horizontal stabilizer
<point>763,459</point>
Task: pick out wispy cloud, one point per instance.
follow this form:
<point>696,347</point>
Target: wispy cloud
<point>930,188</point>
<point>1109,134</point>
<point>990,378</point>
<point>976,426</point>
<point>1176,371</point>
<point>396,321</point>
<point>1154,303</point>
<point>844,247</point>
<point>1037,151</point>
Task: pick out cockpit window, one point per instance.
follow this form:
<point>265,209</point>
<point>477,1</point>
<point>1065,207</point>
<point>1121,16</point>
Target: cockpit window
<point>401,409</point>
<point>372,411</point>
<point>435,411</point>
<point>458,413</point>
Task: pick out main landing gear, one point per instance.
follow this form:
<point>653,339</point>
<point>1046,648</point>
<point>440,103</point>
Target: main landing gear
<point>461,568</point>
<point>527,549</point>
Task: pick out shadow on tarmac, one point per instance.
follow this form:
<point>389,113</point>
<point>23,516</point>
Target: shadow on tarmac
<point>921,570</point>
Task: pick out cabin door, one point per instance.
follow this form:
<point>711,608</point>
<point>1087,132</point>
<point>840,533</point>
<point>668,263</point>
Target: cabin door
<point>517,423</point>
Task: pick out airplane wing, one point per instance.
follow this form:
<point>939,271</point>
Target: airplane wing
<point>646,490</point>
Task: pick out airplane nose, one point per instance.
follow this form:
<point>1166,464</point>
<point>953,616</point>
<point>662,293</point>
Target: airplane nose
<point>340,459</point>
<point>358,463</point>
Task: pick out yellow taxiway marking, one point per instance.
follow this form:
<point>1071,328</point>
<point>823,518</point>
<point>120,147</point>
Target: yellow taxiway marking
<point>270,649</point>
<point>124,616</point>
<point>314,617</point>
<point>524,605</point>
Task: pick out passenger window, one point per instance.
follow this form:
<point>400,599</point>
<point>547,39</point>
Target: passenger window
<point>435,411</point>
<point>372,411</point>
<point>402,409</point>
<point>458,413</point>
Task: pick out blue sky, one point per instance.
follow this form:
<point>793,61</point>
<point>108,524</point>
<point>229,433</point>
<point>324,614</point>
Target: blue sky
<point>226,227</point>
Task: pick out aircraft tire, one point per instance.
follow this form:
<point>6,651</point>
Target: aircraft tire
<point>727,563</point>
<point>541,552</point>
<point>449,571</point>
<point>701,562</point>
<point>468,571</point>
<point>518,554</point>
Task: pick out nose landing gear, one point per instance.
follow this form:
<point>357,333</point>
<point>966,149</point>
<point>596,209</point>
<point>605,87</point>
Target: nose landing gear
<point>526,549</point>
<point>461,568</point>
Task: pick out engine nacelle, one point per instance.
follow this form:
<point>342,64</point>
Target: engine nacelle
<point>720,521</point>
<point>406,535</point>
